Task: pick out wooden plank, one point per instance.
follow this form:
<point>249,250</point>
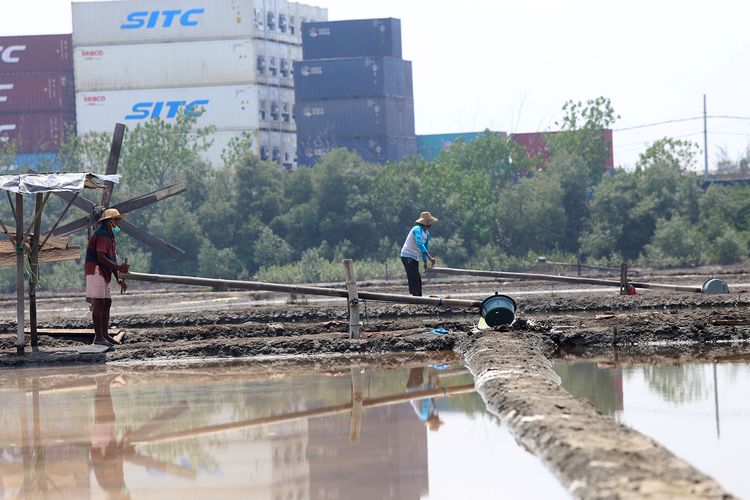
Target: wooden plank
<point>60,242</point>
<point>51,255</point>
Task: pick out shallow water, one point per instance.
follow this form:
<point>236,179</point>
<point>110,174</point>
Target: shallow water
<point>232,432</point>
<point>699,411</point>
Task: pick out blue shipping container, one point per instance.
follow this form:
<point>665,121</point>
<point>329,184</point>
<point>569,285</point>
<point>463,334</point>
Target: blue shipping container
<point>352,77</point>
<point>367,117</point>
<point>40,162</point>
<point>432,145</point>
<point>351,38</point>
<point>372,150</point>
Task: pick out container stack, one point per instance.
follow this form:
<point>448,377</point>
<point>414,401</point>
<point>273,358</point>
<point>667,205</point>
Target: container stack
<point>37,100</point>
<point>228,61</point>
<point>353,90</point>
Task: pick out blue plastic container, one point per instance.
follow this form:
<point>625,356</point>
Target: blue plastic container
<point>498,310</point>
<point>351,38</point>
<point>352,77</point>
<point>355,118</point>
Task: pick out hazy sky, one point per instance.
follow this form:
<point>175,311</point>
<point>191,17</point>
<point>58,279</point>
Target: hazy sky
<point>510,66</point>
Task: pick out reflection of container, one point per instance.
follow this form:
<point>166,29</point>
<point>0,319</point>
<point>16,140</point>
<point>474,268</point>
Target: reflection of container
<point>714,286</point>
<point>498,310</point>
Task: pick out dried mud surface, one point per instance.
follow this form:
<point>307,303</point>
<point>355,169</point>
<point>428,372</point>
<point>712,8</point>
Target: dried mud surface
<point>592,455</point>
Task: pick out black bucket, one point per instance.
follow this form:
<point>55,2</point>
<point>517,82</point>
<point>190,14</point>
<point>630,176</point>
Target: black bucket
<point>498,310</point>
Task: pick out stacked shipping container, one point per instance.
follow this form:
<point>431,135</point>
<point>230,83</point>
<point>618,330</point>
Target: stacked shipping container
<point>354,91</point>
<point>37,98</point>
<point>137,60</point>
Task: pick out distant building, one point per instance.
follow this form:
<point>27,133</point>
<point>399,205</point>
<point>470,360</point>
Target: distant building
<point>138,60</point>
<point>353,90</point>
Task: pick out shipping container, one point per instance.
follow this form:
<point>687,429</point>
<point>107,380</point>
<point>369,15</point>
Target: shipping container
<point>38,53</point>
<point>537,146</point>
<point>39,162</point>
<point>142,21</point>
<point>352,77</point>
<point>372,149</point>
<point>36,132</point>
<point>433,145</point>
<point>234,107</point>
<point>351,38</point>
<point>366,117</point>
<point>28,92</point>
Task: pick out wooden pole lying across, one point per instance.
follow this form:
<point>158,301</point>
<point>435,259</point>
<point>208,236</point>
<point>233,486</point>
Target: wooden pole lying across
<point>299,289</point>
<point>316,412</point>
<point>564,279</point>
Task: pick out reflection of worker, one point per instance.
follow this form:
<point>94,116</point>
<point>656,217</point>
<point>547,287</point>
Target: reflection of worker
<point>101,264</point>
<point>416,248</point>
<point>425,408</point>
<point>106,451</point>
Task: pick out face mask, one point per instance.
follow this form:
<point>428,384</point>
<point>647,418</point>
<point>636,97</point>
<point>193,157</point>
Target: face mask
<point>115,230</point>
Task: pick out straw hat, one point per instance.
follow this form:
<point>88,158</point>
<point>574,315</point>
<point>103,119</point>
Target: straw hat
<point>426,218</point>
<point>111,213</point>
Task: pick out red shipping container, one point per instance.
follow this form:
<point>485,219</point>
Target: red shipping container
<point>535,143</point>
<point>36,132</point>
<point>39,53</point>
<point>21,93</point>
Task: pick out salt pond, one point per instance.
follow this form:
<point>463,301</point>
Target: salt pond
<point>699,411</point>
<point>236,432</point>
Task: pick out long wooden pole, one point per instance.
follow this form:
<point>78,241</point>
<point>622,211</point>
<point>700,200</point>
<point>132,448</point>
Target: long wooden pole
<point>564,279</point>
<point>20,297</point>
<point>34,265</point>
<point>299,289</point>
<point>316,412</point>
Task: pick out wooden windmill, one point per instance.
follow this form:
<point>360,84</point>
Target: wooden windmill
<point>94,210</point>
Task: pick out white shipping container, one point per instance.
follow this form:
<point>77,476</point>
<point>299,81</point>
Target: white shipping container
<point>265,143</point>
<point>184,64</point>
<point>142,21</point>
<point>227,107</point>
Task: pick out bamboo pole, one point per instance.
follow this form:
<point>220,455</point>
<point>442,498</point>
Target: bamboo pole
<point>19,273</point>
<point>317,412</point>
<point>299,289</point>
<point>351,289</point>
<point>564,279</point>
<point>34,265</point>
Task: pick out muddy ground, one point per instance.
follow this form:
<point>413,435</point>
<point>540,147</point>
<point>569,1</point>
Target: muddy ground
<point>592,455</point>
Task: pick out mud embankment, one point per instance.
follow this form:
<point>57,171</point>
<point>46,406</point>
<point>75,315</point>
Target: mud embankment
<point>590,453</point>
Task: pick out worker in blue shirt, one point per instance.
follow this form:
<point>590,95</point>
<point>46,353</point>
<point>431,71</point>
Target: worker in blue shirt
<point>416,248</point>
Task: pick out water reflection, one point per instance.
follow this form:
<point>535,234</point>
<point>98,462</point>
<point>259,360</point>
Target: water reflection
<point>697,410</point>
<point>349,433</point>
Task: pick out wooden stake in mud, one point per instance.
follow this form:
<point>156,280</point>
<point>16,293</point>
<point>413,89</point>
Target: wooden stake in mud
<point>351,288</point>
<point>623,279</point>
<point>19,273</point>
<point>357,396</point>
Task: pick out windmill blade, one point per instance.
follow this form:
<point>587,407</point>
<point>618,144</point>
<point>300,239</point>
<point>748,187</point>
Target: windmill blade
<point>152,240</point>
<point>81,202</point>
<point>148,199</point>
<point>72,227</point>
<point>113,161</point>
<point>124,207</point>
